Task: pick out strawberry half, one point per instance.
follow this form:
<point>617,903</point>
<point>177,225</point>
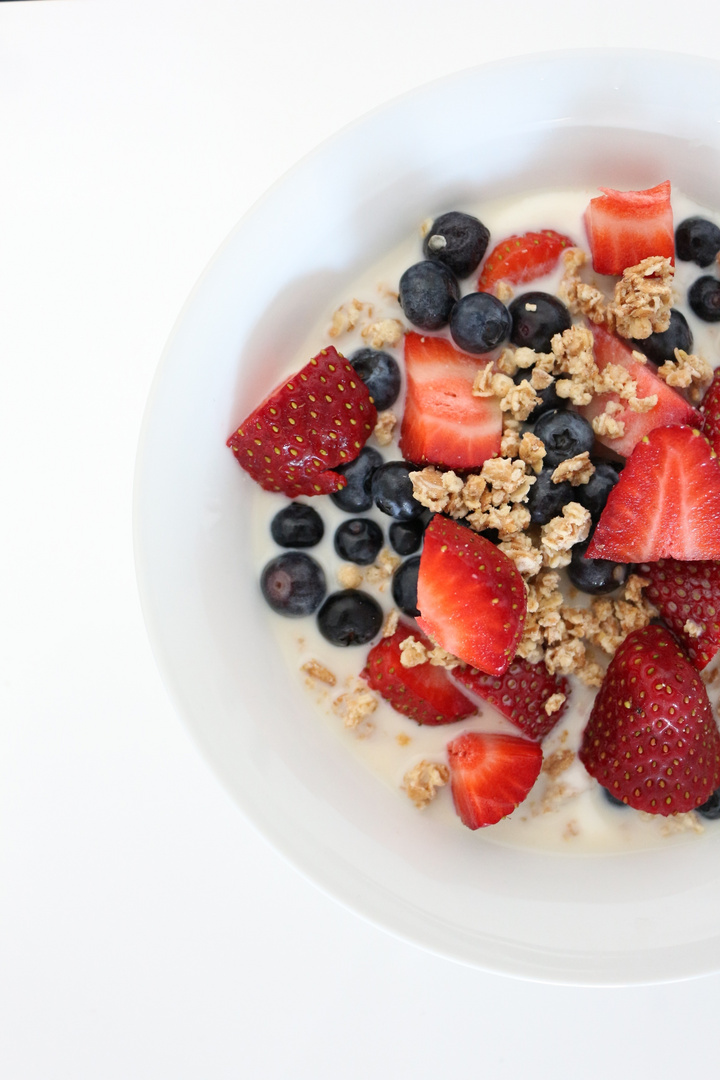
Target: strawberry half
<point>471,598</point>
<point>671,407</point>
<point>625,227</point>
<point>710,413</point>
<point>316,420</point>
<point>442,422</point>
<point>687,591</point>
<point>651,739</point>
<point>520,694</point>
<point>424,693</point>
<point>523,258</point>
<point>666,504</point>
<point>490,775</point>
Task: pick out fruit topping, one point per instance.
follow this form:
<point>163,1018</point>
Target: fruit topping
<point>666,504</point>
<point>458,240</point>
<point>423,692</point>
<point>297,526</point>
<point>595,576</point>
<point>521,695</point>
<point>428,292</point>
<point>594,495</point>
<point>711,808</point>
<point>443,422</point>
<point>490,775</point>
<point>523,258</point>
<point>565,435</point>
<point>380,373</point>
<point>356,496</point>
<point>350,617</point>
<point>687,595</point>
<point>546,499</point>
<point>704,298</point>
<point>697,240</point>
<point>293,584</point>
<point>392,491</point>
<point>536,318</point>
<point>406,536</point>
<point>479,323</point>
<point>710,413</point>
<point>651,739</point>
<point>404,586</point>
<point>359,541</point>
<point>625,227</point>
<point>472,599</point>
<point>661,346</point>
<point>313,422</point>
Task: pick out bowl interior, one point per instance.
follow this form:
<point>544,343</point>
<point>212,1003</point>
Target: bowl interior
<point>621,119</point>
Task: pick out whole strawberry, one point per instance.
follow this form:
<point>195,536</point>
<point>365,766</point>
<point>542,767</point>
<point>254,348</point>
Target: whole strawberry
<point>651,739</point>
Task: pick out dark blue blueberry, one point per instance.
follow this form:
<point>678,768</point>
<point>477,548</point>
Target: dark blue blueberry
<point>612,798</point>
<point>697,240</point>
<point>711,808</point>
<point>392,491</point>
<point>595,576</point>
<point>359,541</point>
<point>546,499</point>
<point>293,584</point>
<point>406,536</point>
<point>356,496</point>
<point>404,586</point>
<point>661,347</point>
<point>704,298</point>
<point>565,434</point>
<point>548,397</point>
<point>349,617</point>
<point>380,373</point>
<point>536,318</point>
<point>297,526</point>
<point>428,292</point>
<point>479,322</point>
<point>457,240</point>
<point>594,494</point>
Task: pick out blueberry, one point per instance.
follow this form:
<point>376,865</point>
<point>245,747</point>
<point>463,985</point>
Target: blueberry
<point>549,398</point>
<point>612,799</point>
<point>297,526</point>
<point>406,536</point>
<point>565,434</point>
<point>457,240</point>
<point>711,808</point>
<point>404,586</point>
<point>479,322</point>
<point>546,499</point>
<point>349,617</point>
<point>536,318</point>
<point>704,298</point>
<point>697,240</point>
<point>392,491</point>
<point>380,373</point>
<point>661,347</point>
<point>594,494</point>
<point>356,496</point>
<point>595,576</point>
<point>293,584</point>
<point>428,292</point>
<point>359,541</point>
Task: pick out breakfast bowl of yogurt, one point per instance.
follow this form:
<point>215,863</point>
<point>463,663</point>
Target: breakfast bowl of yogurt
<point>427,517</point>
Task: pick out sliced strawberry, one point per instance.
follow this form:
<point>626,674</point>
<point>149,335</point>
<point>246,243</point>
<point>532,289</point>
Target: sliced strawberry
<point>443,423</point>
<point>522,258</point>
<point>688,593</point>
<point>625,227</point>
<point>671,407</point>
<point>651,739</point>
<point>710,413</point>
<point>520,694</point>
<point>316,420</point>
<point>471,598</point>
<point>666,504</point>
<point>424,693</point>
<point>490,775</point>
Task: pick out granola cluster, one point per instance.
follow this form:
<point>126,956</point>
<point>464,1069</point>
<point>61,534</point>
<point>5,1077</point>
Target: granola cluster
<point>641,303</point>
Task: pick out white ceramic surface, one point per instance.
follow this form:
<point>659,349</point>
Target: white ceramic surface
<point>615,118</point>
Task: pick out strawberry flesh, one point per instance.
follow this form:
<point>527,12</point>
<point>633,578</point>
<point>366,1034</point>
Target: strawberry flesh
<point>520,694</point>
<point>683,593</point>
<point>490,775</point>
<point>471,598</point>
<point>316,420</point>
<point>710,413</point>
<point>523,258</point>
<point>423,693</point>
<point>442,422</point>
<point>651,739</point>
<point>625,227</point>
<point>666,504</point>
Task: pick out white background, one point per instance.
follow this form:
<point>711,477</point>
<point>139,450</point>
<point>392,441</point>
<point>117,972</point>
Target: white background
<point>146,931</point>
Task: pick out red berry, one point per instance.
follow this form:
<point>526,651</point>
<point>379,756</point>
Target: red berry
<point>523,258</point>
<point>625,227</point>
<point>520,694</point>
<point>710,413</point>
<point>687,592</point>
<point>490,775</point>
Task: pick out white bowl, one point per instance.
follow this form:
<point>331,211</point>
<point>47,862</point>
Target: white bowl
<point>618,118</point>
